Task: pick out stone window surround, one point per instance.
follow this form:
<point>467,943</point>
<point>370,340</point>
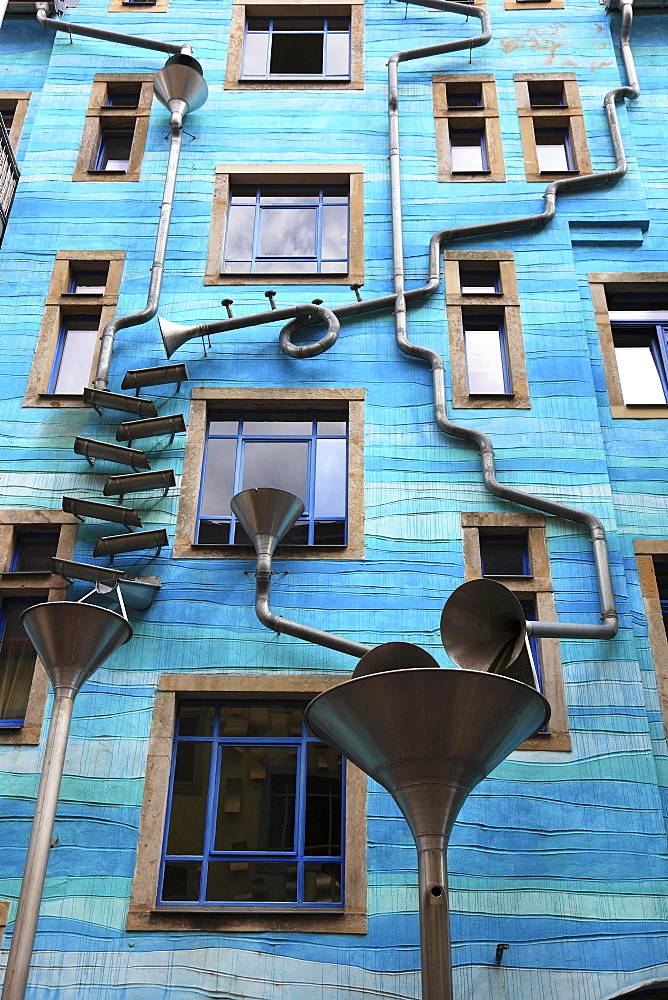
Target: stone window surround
<point>48,587</point>
<point>144,914</point>
<point>204,399</point>
<point>597,283</point>
<point>157,7</point>
<point>58,304</point>
<point>242,10</point>
<point>301,173</point>
<point>539,585</point>
<point>488,116</point>
<point>645,549</point>
<point>537,5</point>
<point>508,302</point>
<point>21,99</point>
<point>571,113</point>
<point>99,115</point>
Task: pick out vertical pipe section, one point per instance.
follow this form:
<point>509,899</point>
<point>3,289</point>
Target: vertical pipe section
<point>25,923</point>
<point>434,922</point>
<point>158,266</point>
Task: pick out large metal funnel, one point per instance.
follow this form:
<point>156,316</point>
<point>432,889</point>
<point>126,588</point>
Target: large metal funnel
<point>429,737</point>
<point>180,84</point>
<point>72,640</point>
<point>266,515</point>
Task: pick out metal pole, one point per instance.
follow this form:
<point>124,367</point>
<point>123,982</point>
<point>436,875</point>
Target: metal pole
<point>434,923</point>
<point>25,924</point>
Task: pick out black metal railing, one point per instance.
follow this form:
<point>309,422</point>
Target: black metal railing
<point>9,178</point>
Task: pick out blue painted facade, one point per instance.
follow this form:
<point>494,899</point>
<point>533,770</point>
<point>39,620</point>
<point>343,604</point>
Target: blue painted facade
<point>561,855</point>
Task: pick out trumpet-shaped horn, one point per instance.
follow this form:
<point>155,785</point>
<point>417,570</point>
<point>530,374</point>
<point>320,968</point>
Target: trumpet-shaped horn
<point>483,627</point>
<point>174,336</point>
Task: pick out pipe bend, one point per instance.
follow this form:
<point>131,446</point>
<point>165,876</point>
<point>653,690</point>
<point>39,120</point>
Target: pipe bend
<point>320,346</point>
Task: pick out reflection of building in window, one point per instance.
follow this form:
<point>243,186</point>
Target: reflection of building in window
<point>468,136</point>
<point>74,355</point>
<point>255,809</point>
<point>114,135</point>
<point>296,47</point>
<point>551,124</point>
<point>287,230</point>
<point>303,453</point>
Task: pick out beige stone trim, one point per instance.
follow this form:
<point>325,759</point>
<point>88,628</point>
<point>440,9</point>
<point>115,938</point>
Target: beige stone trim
<point>551,5</point>
<point>487,116</point>
<point>159,7</point>
<point>59,304</point>
<point>540,585</point>
<point>16,100</point>
<point>47,587</point>
<point>270,398</point>
<point>143,913</point>
<point>644,550</point>
<point>570,114</point>
<point>4,914</point>
<point>507,303</point>
<point>241,10</point>
<point>99,116</point>
<point>311,173</point>
<point>626,282</point>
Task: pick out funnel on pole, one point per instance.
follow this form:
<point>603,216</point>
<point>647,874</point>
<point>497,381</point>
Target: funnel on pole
<point>72,640</point>
<point>266,515</point>
<point>429,737</point>
<point>180,85</point>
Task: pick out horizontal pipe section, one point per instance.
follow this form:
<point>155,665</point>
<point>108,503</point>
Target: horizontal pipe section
<point>173,48</point>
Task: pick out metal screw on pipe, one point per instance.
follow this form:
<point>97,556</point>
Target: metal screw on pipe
<point>228,306</point>
<point>309,312</point>
<point>271,295</point>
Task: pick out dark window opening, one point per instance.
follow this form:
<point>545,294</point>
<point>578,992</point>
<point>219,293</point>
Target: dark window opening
<point>553,148</point>
<point>504,554</point>
<point>479,277</point>
<point>7,113</point>
<point>297,47</point>
<point>661,573</point>
<point>123,95</point>
<point>464,95</point>
<point>113,153</point>
<point>17,661</point>
<point>33,551</point>
<point>468,150</point>
<point>546,94</point>
<point>88,280</point>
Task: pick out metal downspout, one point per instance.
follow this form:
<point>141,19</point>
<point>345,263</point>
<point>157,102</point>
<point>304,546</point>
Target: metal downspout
<point>173,48</point>
<point>597,533</point>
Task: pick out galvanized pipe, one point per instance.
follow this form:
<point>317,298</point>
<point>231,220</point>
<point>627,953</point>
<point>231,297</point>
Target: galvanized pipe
<point>436,965</point>
<point>173,48</point>
<point>32,886</point>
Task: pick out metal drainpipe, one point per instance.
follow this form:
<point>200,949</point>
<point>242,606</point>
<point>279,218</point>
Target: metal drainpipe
<point>597,533</point>
<point>173,48</point>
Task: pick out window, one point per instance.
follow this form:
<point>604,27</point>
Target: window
<point>303,453</point>
<point>81,299</point>
<point>282,222</point>
<point>486,351</point>
<point>245,828</point>
<point>308,442</point>
<point>28,541</point>
<point>512,548</point>
<point>652,561</point>
<point>551,124</point>
<point>255,809</point>
<point>114,135</point>
<point>13,111</point>
<point>285,229</point>
<point>468,136</point>
<point>155,6</point>
<point>533,4</point>
<point>311,47</point>
<point>632,318</point>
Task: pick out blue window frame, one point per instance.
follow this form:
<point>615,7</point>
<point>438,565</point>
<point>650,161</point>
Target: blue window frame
<point>305,453</point>
<point>255,812</point>
<point>468,149</point>
<point>33,551</point>
<point>553,148</point>
<point>113,151</point>
<point>479,277</point>
<point>287,229</point>
<point>641,350</point>
<point>74,355</point>
<point>296,48</point>
<point>124,95</point>
<point>17,661</point>
<point>88,280</point>
<point>486,352</point>
<point>504,554</point>
<point>464,95</point>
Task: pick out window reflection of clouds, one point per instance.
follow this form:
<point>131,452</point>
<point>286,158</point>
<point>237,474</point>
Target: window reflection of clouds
<point>330,478</point>
<point>288,232</point>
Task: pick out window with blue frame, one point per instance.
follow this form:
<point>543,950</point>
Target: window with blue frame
<point>255,809</point>
<point>114,148</point>
<point>75,350</point>
<point>285,229</point>
<point>468,148</point>
<point>486,353</point>
<point>480,277</point>
<point>302,452</point>
<point>33,551</point>
<point>641,351</point>
<point>86,280</point>
<point>464,95</point>
<point>296,48</point>
<point>17,661</point>
<point>661,574</point>
<point>553,147</point>
<point>504,553</point>
<point>124,95</point>
<point>546,93</point>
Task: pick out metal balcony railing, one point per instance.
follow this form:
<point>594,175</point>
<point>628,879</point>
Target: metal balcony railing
<point>9,178</point>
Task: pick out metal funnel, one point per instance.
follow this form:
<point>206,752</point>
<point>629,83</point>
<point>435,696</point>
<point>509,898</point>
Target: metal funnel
<point>393,656</point>
<point>72,640</point>
<point>429,737</point>
<point>483,627</point>
<point>180,84</point>
<point>266,515</point>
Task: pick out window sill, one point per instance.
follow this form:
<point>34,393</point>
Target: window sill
<point>636,411</point>
<point>108,173</point>
<point>283,279</point>
<point>200,551</point>
<point>216,920</point>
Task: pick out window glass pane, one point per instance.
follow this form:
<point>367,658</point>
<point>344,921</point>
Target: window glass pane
<point>331,476</point>
<point>274,425</point>
<point>34,550</point>
<point>335,232</point>
<point>322,882</point>
<point>329,533</point>
<point>257,719</point>
<point>123,97</point>
<point>218,477</point>
<point>256,49</point>
<point>223,427</point>
<point>546,95</point>
<point>464,95</point>
<point>552,150</point>
<point>189,798</point>
<point>181,881</point>
<point>484,362</point>
<point>279,464</point>
<point>115,146</point>
<point>322,834</point>
<point>639,376</point>
<point>256,799</point>
<point>338,54</point>
<point>330,428</point>
<point>239,241</point>
<point>504,555</point>
<point>17,660</point>
<point>282,195</point>
<point>287,232</point>
<point>88,282</point>
<point>76,359</point>
<point>295,54</point>
<point>467,152</point>
<point>479,278</point>
<point>252,882</point>
<point>196,720</point>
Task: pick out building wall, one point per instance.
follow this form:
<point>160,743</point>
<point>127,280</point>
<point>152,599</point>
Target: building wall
<point>559,854</point>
